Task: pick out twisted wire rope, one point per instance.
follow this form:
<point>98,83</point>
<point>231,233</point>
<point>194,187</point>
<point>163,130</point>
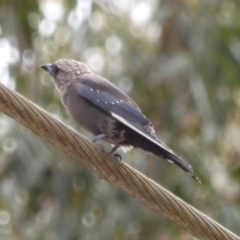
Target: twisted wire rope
<point>120,174</point>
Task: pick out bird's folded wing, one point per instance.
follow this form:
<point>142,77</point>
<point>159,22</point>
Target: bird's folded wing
<point>119,108</point>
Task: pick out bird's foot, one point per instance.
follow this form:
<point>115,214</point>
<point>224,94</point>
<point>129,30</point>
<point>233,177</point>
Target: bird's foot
<point>101,146</point>
<point>98,137</point>
<point>118,157</point>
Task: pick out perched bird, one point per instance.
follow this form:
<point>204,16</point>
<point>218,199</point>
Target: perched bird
<point>103,109</point>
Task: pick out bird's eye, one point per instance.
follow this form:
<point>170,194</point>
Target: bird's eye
<point>55,69</point>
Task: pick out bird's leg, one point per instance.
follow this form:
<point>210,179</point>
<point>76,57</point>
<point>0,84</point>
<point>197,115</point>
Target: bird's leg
<point>116,155</point>
<point>98,137</point>
<point>114,149</point>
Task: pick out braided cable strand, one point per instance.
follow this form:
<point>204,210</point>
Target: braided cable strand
<point>118,173</point>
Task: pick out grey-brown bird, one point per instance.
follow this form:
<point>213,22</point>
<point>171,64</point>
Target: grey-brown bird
<point>103,109</point>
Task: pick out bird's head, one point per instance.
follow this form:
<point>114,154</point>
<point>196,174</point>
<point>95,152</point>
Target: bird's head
<point>63,71</point>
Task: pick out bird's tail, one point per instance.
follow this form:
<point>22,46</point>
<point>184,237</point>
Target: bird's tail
<point>172,157</point>
<point>160,149</point>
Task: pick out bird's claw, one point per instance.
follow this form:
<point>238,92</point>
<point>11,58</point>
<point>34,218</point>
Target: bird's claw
<point>118,157</point>
<point>101,146</point>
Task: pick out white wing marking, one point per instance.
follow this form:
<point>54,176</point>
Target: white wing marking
<point>140,132</point>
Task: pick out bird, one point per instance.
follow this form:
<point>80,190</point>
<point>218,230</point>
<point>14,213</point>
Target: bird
<point>107,112</point>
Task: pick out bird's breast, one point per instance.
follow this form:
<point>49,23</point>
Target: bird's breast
<point>91,117</point>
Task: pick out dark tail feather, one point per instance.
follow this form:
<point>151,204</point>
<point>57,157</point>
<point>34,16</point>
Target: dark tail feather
<point>167,154</point>
<point>181,163</point>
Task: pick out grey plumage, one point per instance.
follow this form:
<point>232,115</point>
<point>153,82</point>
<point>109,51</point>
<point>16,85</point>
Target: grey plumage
<point>103,109</point>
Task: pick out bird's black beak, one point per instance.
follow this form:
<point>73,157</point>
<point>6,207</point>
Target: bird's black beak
<point>48,67</point>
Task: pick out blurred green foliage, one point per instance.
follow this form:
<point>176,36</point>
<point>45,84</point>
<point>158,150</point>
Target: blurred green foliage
<point>178,59</point>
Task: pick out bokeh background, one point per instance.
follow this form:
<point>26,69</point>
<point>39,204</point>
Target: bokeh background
<point>178,59</point>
